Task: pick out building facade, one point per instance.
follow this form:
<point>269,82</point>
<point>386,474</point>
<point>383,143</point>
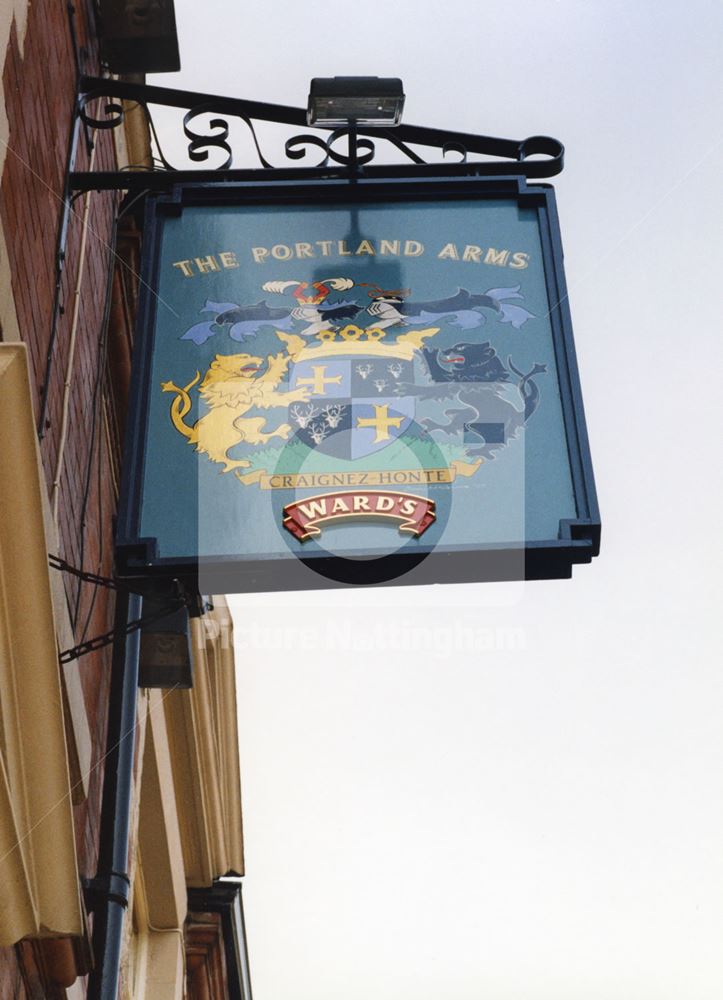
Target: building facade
<point>68,291</point>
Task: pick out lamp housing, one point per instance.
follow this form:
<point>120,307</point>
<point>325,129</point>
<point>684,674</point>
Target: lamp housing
<point>374,101</point>
<point>166,660</point>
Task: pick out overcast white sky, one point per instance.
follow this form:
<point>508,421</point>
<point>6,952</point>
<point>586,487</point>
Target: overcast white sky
<point>509,792</point>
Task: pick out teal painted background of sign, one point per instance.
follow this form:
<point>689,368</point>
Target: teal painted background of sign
<point>522,488</point>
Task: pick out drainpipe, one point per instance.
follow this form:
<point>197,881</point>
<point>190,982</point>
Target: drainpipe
<point>108,892</point>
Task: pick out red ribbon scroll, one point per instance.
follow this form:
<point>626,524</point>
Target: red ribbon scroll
<point>303,517</point>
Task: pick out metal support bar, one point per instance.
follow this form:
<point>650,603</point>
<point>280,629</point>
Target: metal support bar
<point>92,87</point>
<point>139,181</point>
<point>100,641</point>
<point>55,562</point>
<point>181,598</point>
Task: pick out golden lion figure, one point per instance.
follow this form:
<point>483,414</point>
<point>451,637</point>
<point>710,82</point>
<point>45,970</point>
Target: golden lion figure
<point>230,388</point>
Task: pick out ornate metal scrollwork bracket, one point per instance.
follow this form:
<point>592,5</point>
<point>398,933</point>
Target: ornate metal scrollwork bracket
<point>341,151</point>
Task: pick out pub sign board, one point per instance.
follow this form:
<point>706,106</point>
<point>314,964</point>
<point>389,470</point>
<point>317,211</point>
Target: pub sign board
<point>361,382</point>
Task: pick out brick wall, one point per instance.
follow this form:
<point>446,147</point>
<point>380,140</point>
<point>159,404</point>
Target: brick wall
<point>39,88</point>
<point>12,986</point>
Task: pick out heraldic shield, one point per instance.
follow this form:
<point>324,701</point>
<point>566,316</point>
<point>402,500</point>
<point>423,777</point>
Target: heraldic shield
<point>356,404</point>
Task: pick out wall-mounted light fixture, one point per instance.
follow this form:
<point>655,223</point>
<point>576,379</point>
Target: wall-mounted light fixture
<point>373,101</point>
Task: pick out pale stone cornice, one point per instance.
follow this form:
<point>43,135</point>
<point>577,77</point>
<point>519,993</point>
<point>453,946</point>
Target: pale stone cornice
<point>36,821</point>
<point>203,741</point>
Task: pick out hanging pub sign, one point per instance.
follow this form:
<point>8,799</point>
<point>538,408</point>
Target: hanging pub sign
<point>365,382</point>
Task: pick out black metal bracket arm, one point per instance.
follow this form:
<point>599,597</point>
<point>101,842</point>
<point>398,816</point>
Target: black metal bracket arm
<point>340,151</point>
<point>110,638</point>
<point>181,597</point>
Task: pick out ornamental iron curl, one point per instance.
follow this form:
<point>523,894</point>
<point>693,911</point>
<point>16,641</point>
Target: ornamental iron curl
<point>455,147</point>
<point>199,144</point>
<point>113,111</point>
<point>295,147</point>
<point>361,150</point>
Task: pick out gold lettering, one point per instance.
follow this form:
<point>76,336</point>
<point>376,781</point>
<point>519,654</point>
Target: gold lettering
<point>357,479</point>
<point>472,253</point>
<point>498,257</point>
<point>344,250</point>
<point>186,268</point>
<point>365,247</point>
<point>281,251</point>
<point>412,248</point>
<point>325,247</point>
<point>206,264</point>
<point>448,252</point>
<point>520,260</point>
<point>389,247</point>
<point>228,258</point>
<point>304,250</point>
<point>259,254</point>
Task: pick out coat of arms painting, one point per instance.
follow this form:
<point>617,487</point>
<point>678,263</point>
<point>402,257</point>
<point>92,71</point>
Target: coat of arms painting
<point>354,379</point>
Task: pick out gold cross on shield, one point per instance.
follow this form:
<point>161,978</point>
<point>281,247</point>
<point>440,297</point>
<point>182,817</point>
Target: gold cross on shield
<point>381,422</point>
<point>319,381</point>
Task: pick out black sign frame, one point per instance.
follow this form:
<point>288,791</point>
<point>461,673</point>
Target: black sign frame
<point>577,540</point>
